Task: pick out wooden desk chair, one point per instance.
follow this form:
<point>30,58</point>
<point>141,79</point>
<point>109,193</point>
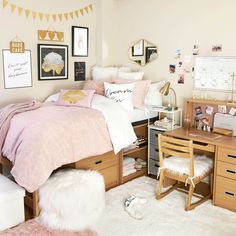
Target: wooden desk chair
<point>177,162</point>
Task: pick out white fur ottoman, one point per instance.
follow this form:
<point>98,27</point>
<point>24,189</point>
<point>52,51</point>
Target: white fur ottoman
<point>72,199</point>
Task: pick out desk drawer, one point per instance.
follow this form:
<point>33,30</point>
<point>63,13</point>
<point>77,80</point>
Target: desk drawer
<point>154,136</point>
<point>226,169</point>
<point>227,155</point>
<point>153,166</point>
<point>154,152</point>
<point>225,194</point>
<point>204,146</point>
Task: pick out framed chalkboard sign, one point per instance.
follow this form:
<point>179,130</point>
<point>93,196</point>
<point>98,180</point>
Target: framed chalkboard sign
<point>214,73</point>
<point>80,70</point>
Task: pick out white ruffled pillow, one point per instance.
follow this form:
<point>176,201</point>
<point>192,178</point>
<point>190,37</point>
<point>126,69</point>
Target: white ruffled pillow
<point>131,75</point>
<point>154,97</point>
<point>120,93</point>
<point>53,98</point>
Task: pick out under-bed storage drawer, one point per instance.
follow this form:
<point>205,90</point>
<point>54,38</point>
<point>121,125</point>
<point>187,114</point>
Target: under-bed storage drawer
<point>225,193</point>
<point>106,164</point>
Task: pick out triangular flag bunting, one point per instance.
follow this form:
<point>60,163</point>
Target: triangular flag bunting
<point>82,11</point>
<point>86,9</point>
<point>20,9</point>
<point>72,15</point>
<point>66,15</point>
<point>54,17</point>
<point>47,16</point>
<point>13,7</point>
<point>4,3</point>
<point>34,14</point>
<point>91,7</point>
<point>60,17</point>
<point>27,12</point>
<point>77,13</point>
<point>41,16</point>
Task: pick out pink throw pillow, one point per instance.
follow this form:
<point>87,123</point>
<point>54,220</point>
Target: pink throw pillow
<point>80,98</point>
<point>140,90</point>
<point>97,85</point>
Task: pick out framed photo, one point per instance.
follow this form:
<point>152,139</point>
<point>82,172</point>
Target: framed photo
<point>17,69</point>
<point>137,49</point>
<point>80,41</point>
<point>80,70</point>
<point>151,54</point>
<point>52,62</point>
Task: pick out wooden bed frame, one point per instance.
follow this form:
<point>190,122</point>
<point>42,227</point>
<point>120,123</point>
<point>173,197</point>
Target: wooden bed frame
<point>108,164</point>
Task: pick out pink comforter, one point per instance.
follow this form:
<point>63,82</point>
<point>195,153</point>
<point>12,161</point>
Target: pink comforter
<point>42,140</point>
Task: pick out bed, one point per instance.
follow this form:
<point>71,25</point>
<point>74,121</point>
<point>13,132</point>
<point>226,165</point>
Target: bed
<point>30,134</point>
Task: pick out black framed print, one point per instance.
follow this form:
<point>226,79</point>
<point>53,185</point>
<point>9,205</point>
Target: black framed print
<point>80,70</point>
<point>80,41</point>
<point>52,62</point>
<point>17,69</point>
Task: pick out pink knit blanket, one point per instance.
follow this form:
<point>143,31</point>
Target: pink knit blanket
<point>8,112</point>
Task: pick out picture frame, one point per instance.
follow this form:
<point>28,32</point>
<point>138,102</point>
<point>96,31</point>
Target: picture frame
<point>52,62</point>
<point>79,70</point>
<point>17,68</point>
<point>138,48</point>
<point>80,41</point>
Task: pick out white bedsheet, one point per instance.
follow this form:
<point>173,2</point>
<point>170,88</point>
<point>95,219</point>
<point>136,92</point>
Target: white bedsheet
<point>118,122</point>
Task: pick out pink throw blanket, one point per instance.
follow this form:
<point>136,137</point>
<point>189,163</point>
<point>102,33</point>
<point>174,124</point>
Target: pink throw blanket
<point>11,110</point>
<point>42,140</point>
<point>33,228</point>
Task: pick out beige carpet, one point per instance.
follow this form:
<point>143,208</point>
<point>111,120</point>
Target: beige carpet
<point>165,217</point>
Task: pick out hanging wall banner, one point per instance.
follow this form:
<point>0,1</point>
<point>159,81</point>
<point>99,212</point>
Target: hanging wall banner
<point>70,15</point>
<point>17,69</point>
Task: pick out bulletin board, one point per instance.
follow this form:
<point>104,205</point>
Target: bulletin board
<point>214,73</point>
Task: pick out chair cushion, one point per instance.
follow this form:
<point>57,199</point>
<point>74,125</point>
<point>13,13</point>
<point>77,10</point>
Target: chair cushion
<point>180,165</point>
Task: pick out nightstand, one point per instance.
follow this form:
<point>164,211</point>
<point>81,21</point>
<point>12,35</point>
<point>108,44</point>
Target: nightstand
<point>156,128</point>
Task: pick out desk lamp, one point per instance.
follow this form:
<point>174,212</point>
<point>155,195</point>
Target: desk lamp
<point>165,91</point>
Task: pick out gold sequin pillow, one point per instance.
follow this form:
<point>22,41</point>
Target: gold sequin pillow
<point>80,98</point>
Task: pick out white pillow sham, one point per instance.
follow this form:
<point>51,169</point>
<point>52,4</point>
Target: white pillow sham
<point>154,97</point>
<point>131,75</point>
<point>53,98</point>
<point>99,72</point>
<point>120,93</point>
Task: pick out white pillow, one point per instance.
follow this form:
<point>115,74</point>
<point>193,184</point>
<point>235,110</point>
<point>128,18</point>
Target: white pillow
<point>120,93</point>
<point>99,72</point>
<point>124,69</point>
<point>131,75</point>
<point>153,96</point>
<point>53,98</point>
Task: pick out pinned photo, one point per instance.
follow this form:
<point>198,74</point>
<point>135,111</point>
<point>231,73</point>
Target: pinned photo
<point>198,110</point>
<point>172,69</point>
<point>181,79</point>
<point>232,111</point>
<point>209,110</point>
<point>217,48</point>
<point>222,109</point>
<point>180,63</point>
<point>195,50</point>
<point>177,54</point>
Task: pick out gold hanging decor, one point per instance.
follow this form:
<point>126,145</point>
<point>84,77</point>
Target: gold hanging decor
<point>46,35</point>
<point>70,15</point>
<point>17,46</point>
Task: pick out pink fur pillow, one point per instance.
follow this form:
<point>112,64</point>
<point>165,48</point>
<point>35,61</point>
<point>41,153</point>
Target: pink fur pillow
<point>97,85</point>
<point>140,90</point>
<point>80,98</point>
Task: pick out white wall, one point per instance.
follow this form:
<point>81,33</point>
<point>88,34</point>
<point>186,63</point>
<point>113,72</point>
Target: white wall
<point>176,24</point>
<point>26,29</point>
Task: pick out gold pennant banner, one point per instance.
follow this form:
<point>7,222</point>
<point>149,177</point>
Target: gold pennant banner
<point>6,4</point>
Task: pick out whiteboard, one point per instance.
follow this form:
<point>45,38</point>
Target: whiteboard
<point>214,73</point>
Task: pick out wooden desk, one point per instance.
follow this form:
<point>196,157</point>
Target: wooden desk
<point>223,148</point>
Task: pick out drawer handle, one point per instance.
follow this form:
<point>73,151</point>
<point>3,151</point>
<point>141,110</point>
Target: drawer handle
<point>231,171</point>
<point>156,150</point>
<point>98,162</point>
<point>231,156</point>
<point>229,193</point>
<point>156,135</point>
<point>156,165</point>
